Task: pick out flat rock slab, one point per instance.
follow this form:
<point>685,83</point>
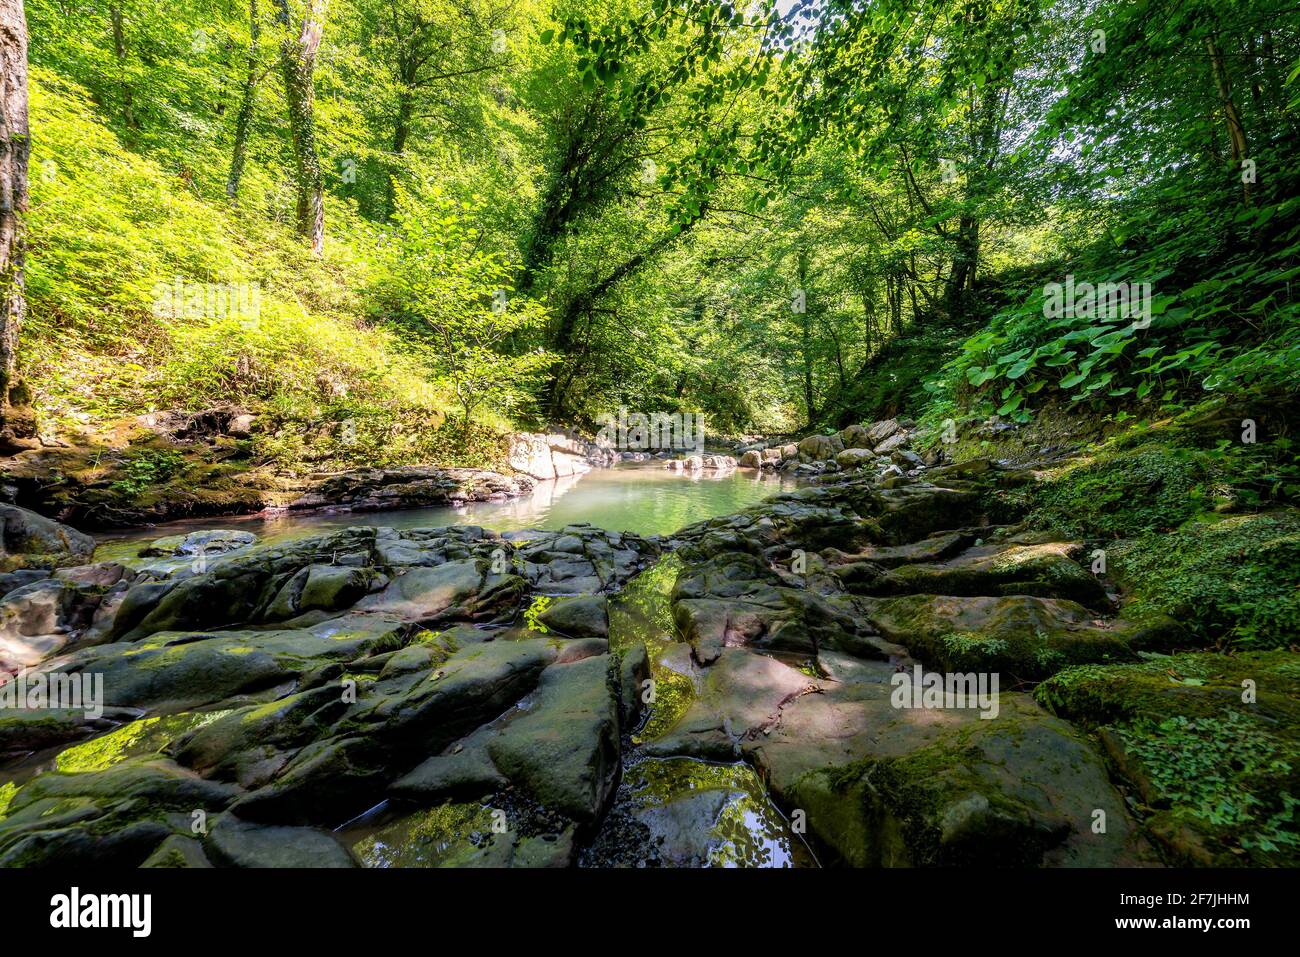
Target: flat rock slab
<point>238,843</point>
<point>1017,787</point>
<point>563,747</point>
<point>741,695</point>
<point>1047,570</point>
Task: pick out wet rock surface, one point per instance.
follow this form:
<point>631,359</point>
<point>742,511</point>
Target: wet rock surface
<point>843,673</point>
<point>337,673</point>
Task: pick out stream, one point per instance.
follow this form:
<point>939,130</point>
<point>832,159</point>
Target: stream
<point>681,812</point>
<point>674,812</point>
<point>644,498</point>
<point>665,812</point>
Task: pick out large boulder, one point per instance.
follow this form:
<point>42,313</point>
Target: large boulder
<point>881,431</point>
<point>817,448</point>
<point>555,455</point>
<point>1046,569</point>
<point>856,457</point>
<point>582,617</point>
<point>564,749</point>
<point>898,440</point>
<point>28,540</point>
<point>217,541</point>
<point>856,437</point>
<point>884,785</point>
<point>1021,635</point>
<point>465,590</point>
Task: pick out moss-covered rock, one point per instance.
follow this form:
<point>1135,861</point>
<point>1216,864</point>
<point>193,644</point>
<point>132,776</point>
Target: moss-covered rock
<point>113,817</point>
<point>1157,476</point>
<point>237,843</point>
<point>1020,790</point>
<point>28,540</point>
<point>1210,741</point>
<point>1021,636</point>
<point>583,617</point>
<point>1046,569</point>
<point>883,784</point>
<point>1233,578</point>
<point>563,750</point>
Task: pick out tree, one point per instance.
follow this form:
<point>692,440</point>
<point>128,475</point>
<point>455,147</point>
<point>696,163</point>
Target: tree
<point>299,44</point>
<point>16,421</point>
<point>444,284</point>
<point>434,59</point>
<point>247,103</point>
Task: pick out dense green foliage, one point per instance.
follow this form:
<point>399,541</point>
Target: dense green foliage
<point>776,215</point>
<point>1218,780</point>
<point>1231,581</point>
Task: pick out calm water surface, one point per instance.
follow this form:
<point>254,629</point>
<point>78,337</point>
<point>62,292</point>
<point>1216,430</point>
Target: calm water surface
<point>646,499</point>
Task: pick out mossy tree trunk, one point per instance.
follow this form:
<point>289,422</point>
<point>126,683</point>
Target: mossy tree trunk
<point>16,422</point>
<point>298,48</point>
<point>244,119</point>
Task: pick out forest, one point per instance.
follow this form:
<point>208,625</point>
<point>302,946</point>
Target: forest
<point>960,336</point>
<point>651,190</point>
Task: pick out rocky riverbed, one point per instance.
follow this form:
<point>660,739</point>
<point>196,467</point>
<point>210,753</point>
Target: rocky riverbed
<point>723,695</point>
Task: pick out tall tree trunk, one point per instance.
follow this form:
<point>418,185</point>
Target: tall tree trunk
<point>1232,118</point>
<point>245,117</point>
<point>119,50</point>
<point>984,140</point>
<point>17,424</point>
<point>298,49</point>
<point>966,257</point>
<point>401,132</point>
<point>806,341</point>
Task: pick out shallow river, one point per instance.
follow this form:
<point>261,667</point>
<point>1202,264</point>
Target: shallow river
<point>645,499</point>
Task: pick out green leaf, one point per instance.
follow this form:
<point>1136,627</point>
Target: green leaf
<point>1019,368</point>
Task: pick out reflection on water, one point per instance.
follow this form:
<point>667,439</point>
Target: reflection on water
<point>710,815</point>
<point>642,613</point>
<point>433,837</point>
<point>646,499</point>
